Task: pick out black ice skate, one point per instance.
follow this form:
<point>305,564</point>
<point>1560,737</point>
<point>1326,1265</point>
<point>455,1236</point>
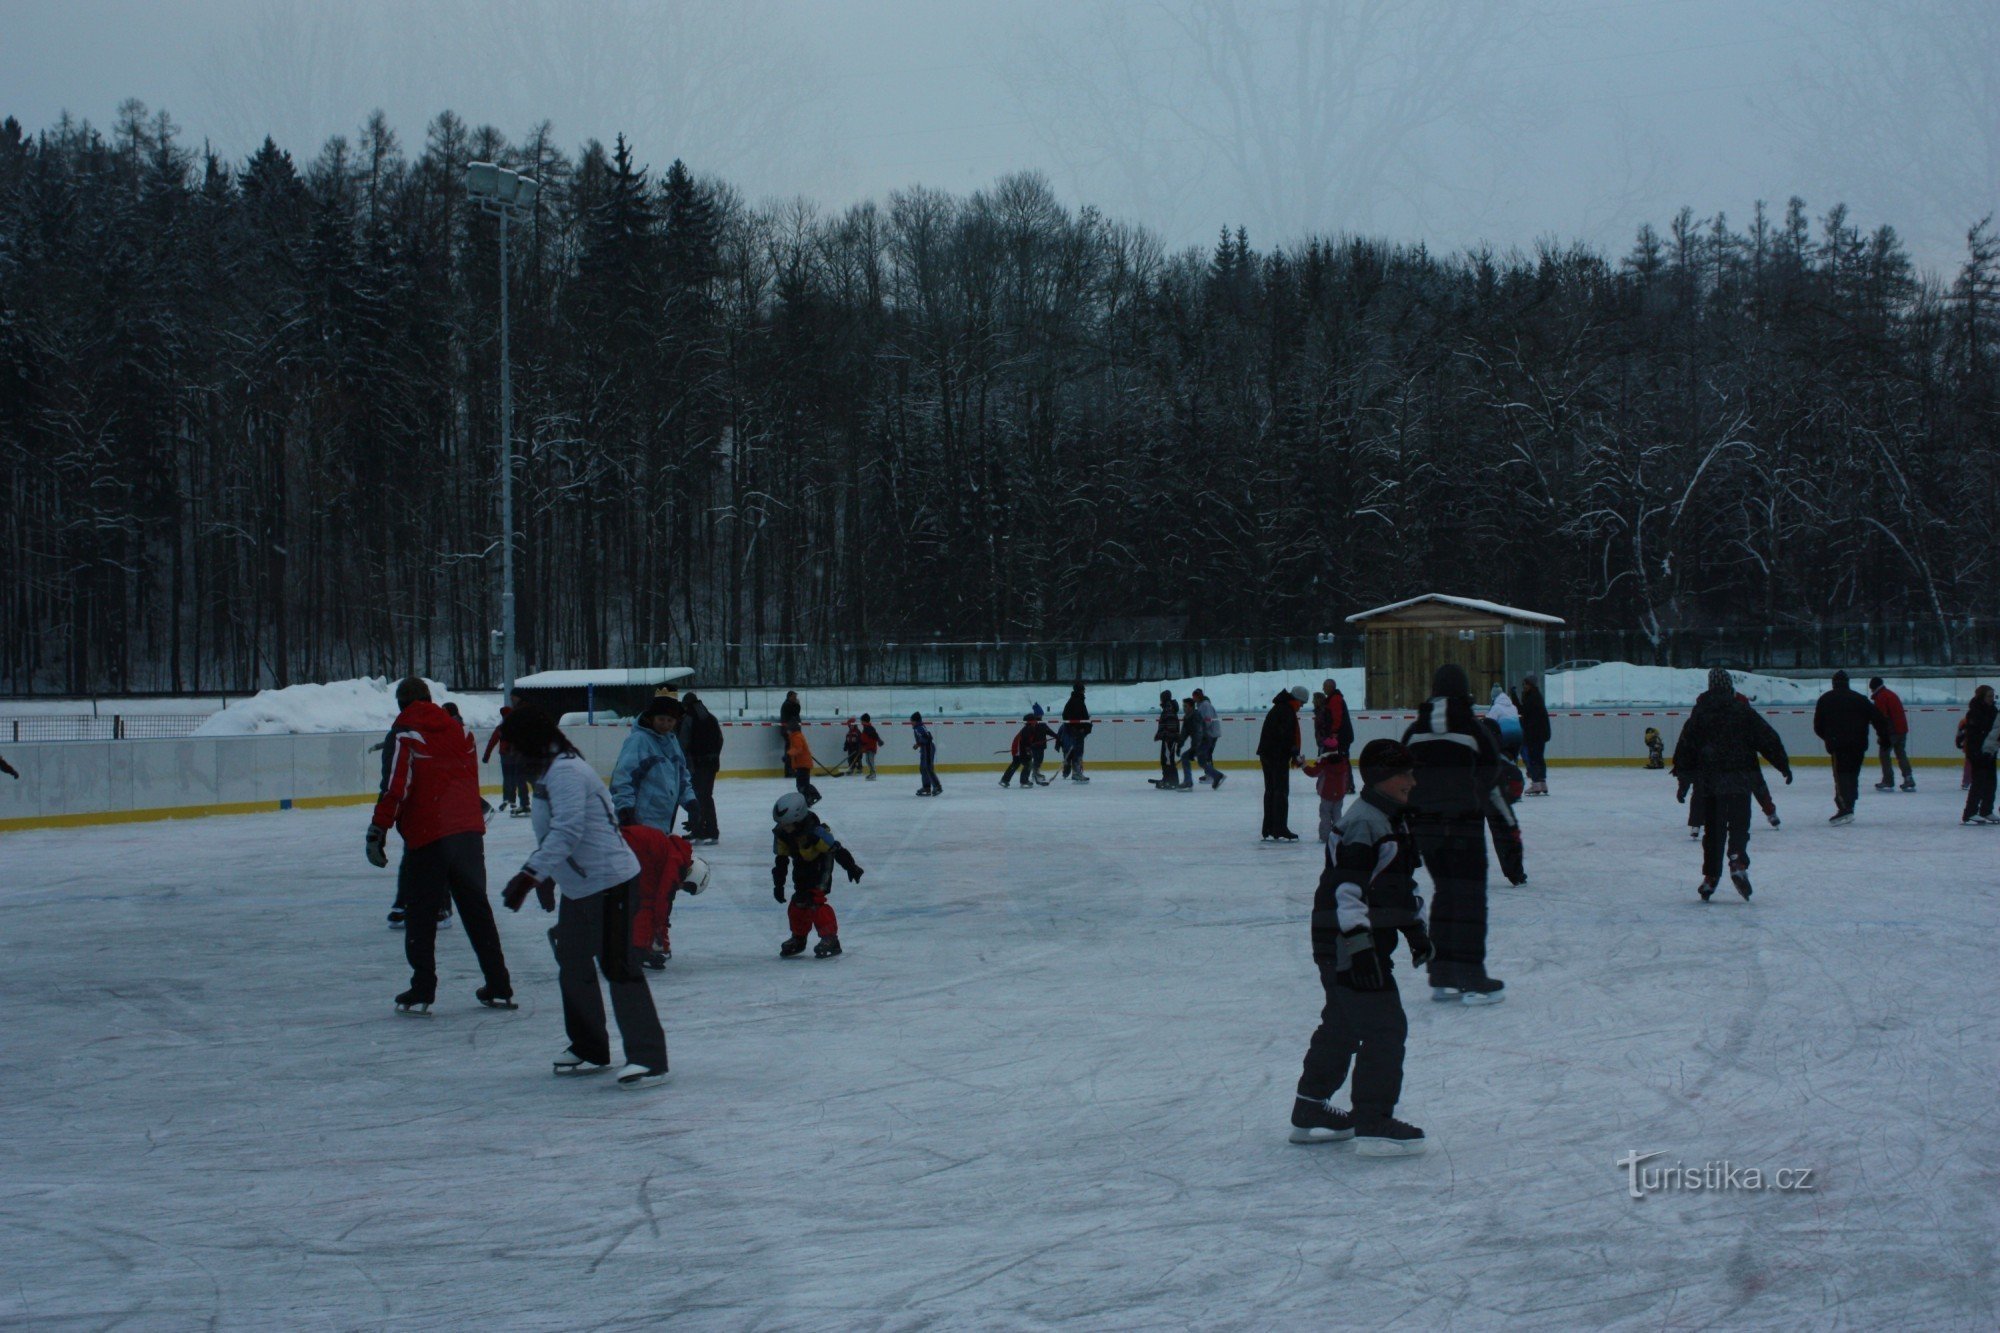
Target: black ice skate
<point>1707,889</point>
<point>1219,779</point>
<point>570,1063</point>
<point>1317,1122</point>
<point>411,1002</point>
<point>1910,785</point>
<point>828,947</point>
<point>1387,1137</point>
<point>486,996</point>
<point>792,947</point>
<point>1739,875</point>
<point>1773,817</point>
<point>395,918</point>
<point>655,958</point>
<point>1484,990</point>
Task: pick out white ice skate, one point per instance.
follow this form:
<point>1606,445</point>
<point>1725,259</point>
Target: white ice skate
<point>570,1063</point>
<point>640,1076</point>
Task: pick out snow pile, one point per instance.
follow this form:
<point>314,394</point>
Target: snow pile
<point>1617,683</point>
<point>368,704</point>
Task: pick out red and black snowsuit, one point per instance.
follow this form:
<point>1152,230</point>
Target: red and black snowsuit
<point>663,862</point>
<point>810,852</point>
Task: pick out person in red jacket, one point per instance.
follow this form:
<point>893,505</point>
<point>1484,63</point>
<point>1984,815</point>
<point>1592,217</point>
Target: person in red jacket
<point>512,784</point>
<point>1895,736</point>
<point>667,864</point>
<point>871,741</point>
<point>430,795</point>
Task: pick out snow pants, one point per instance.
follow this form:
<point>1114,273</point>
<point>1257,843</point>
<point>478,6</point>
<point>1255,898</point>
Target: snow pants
<point>1018,764</point>
<point>701,824</point>
<point>1725,825</point>
<point>1979,796</point>
<point>927,771</point>
<point>809,910</point>
<point>1073,759</point>
<point>514,788</point>
<point>1899,747</point>
<point>1454,851</point>
<point>1508,848</point>
<point>1330,810</point>
<point>1277,795</point>
<point>1847,778</point>
<point>452,869</point>
<point>653,919</point>
<point>595,934</point>
<point>803,779</point>
<point>1366,1029</point>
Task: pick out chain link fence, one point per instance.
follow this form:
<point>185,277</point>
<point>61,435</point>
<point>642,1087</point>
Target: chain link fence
<point>111,727</point>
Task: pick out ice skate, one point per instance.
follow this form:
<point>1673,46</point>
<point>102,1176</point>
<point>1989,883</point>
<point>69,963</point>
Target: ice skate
<point>655,958</point>
<point>1080,778</point>
<point>1387,1137</point>
<point>1486,990</point>
<point>1318,1122</point>
<point>1910,785</point>
<point>1844,817</point>
<point>1739,875</point>
<point>1217,784</point>
<point>410,1002</point>
<point>792,947</point>
<point>1041,781</point>
<point>1707,887</point>
<point>1773,818</point>
<point>1885,786</point>
<point>570,1063</point>
<point>486,996</point>
<point>395,918</point>
<point>828,947</point>
<point>641,1076</point>
<point>1695,833</point>
<point>1186,786</point>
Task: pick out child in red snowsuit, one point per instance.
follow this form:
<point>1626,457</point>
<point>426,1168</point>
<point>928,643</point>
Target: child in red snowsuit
<point>808,849</point>
<point>665,860</point>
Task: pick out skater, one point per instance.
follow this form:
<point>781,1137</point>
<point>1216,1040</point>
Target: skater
<point>1189,743</point>
<point>581,855</point>
<point>1211,732</point>
<point>701,742</point>
<point>1333,781</point>
<point>871,742</point>
<point>1716,757</point>
<point>1535,735</point>
<point>1039,736</point>
<point>850,748</point>
<point>1167,731</point>
<point>1278,755</point>
<point>1025,752</point>
<point>791,711</point>
<point>1076,722</point>
<point>1509,848</point>
<point>430,794</point>
<point>1366,898</point>
<point>513,791</point>
<point>667,865</point>
<point>811,851</point>
<point>1457,768</point>
<point>650,783</point>
<point>1656,749</point>
<point>1506,720</point>
<point>799,763</point>
<point>1980,739</point>
<point>1843,719</point>
<point>926,748</point>
<point>1894,734</point>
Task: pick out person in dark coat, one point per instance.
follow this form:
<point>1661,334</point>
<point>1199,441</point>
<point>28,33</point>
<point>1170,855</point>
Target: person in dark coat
<point>1076,724</point>
<point>1278,754</point>
<point>790,712</point>
<point>1979,737</point>
<point>1167,732</point>
<point>1457,769</point>
<point>1716,755</point>
<point>701,741</point>
<point>1846,720</point>
<point>1535,734</point>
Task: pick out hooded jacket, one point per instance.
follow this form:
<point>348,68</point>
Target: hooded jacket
<point>1457,765</point>
<point>577,842</point>
<point>701,736</point>
<point>1718,747</point>
<point>1535,729</point>
<point>651,778</point>
<point>1280,737</point>
<point>1890,705</point>
<point>430,777</point>
<point>1844,718</point>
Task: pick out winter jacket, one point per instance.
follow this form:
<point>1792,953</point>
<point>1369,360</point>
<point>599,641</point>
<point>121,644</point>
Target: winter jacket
<point>1075,710</point>
<point>1169,725</point>
<point>789,713</point>
<point>1280,737</point>
<point>701,737</point>
<point>1890,705</point>
<point>1457,763</point>
<point>494,739</point>
<point>871,739</point>
<point>1534,717</point>
<point>1033,736</point>
<point>430,778</point>
<point>1211,723</point>
<point>852,743</point>
<point>1339,736</point>
<point>1368,887</point>
<point>1506,719</point>
<point>810,852</point>
<point>652,779</point>
<point>1844,718</point>
<point>1333,777</point>
<point>924,745</point>
<point>1977,732</point>
<point>577,840</point>
<point>797,753</point>
<point>1718,747</point>
<point>663,862</point>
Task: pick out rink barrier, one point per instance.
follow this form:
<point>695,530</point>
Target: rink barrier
<point>73,783</point>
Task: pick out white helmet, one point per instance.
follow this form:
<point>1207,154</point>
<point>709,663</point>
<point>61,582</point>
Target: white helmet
<point>791,810</point>
<point>696,878</point>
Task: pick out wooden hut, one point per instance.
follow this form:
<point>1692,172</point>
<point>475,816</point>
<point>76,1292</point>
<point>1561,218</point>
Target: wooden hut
<point>1408,640</point>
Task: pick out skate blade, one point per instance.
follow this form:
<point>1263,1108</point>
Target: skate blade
<point>579,1071</point>
<point>1389,1147</point>
<point>1320,1134</point>
<point>414,1010</point>
<point>1474,998</point>
<point>641,1082</point>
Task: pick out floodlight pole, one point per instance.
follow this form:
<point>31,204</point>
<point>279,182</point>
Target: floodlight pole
<point>506,485</point>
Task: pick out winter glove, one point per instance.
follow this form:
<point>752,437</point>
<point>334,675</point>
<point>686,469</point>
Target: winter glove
<point>627,817</point>
<point>778,881</point>
<point>1788,777</point>
<point>1419,940</point>
<point>1364,968</point>
<point>522,884</point>
<point>378,851</point>
<point>8,769</point>
<point>845,860</point>
<point>1682,794</point>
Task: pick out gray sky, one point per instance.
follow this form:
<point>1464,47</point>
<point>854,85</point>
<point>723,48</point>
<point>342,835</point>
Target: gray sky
<point>1454,122</point>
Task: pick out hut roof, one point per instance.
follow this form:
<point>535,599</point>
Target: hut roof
<point>558,680</point>
<point>1463,603</point>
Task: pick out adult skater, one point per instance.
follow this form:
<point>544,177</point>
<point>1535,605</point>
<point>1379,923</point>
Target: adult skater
<point>431,797</point>
<point>1535,735</point>
<point>1076,725</point>
<point>1456,767</point>
<point>701,742</point>
<point>926,748</point>
<point>1278,755</point>
<point>1366,897</point>
<point>580,853</point>
<point>791,711</point>
<point>1211,732</point>
<point>1167,732</point>
<point>1980,738</point>
<point>513,791</point>
<point>1843,719</point>
<point>1716,755</point>
<point>1895,735</point>
<point>650,783</point>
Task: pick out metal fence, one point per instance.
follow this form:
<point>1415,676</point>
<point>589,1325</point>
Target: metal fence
<point>111,727</point>
<point>802,665</point>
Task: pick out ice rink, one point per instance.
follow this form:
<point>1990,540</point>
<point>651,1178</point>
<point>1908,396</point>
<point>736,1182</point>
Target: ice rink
<point>1048,1083</point>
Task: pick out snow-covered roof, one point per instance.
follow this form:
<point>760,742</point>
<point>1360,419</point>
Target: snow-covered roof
<point>1466,603</point>
<point>569,680</point>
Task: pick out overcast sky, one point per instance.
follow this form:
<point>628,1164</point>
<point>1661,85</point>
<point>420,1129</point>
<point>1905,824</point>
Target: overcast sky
<point>1454,122</point>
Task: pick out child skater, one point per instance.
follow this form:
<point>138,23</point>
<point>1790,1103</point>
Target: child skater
<point>810,850</point>
<point>1367,894</point>
<point>667,865</point>
<point>871,741</point>
<point>926,748</point>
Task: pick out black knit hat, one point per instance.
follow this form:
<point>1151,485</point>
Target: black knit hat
<point>1382,759</point>
<point>662,705</point>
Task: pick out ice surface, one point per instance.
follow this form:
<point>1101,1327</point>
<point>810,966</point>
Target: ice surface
<point>1047,1084</point>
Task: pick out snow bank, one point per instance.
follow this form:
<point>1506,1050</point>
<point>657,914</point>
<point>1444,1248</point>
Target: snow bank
<point>1626,683</point>
<point>368,704</point>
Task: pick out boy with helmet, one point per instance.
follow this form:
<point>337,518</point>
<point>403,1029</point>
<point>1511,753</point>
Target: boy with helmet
<point>808,849</point>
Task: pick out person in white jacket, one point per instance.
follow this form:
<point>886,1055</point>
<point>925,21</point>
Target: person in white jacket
<point>580,853</point>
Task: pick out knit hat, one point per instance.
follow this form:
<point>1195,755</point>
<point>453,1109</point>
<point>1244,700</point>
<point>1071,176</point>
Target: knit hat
<point>1384,758</point>
<point>1299,693</point>
<point>1449,682</point>
<point>1720,679</point>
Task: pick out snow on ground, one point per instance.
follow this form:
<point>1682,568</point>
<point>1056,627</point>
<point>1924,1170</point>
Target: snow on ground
<point>367,704</point>
<point>1627,683</point>
<point>1047,1084</point>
